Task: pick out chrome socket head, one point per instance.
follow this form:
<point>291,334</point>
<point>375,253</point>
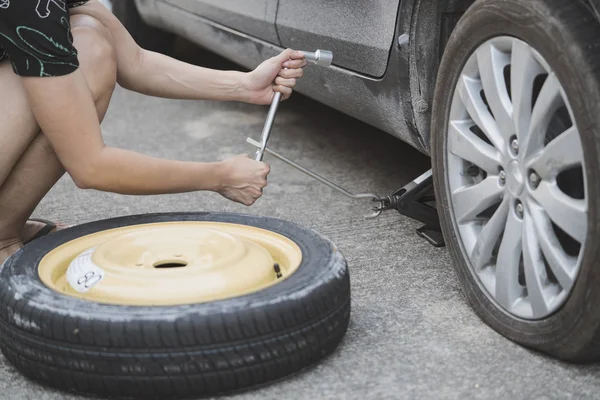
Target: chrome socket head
<point>323,58</point>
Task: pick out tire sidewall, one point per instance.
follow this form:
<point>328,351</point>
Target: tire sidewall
<point>534,22</point>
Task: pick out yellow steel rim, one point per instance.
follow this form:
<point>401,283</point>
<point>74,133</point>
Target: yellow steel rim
<point>170,263</point>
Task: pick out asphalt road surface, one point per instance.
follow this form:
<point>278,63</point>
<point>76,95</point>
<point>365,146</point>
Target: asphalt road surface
<point>412,335</point>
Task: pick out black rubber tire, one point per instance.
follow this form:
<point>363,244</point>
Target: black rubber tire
<point>173,351</point>
<point>146,36</point>
<point>567,35</point>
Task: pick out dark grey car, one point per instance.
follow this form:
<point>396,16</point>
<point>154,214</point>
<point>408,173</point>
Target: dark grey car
<point>502,94</point>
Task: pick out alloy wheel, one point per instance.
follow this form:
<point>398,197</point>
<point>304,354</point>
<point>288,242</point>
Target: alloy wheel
<point>516,178</point>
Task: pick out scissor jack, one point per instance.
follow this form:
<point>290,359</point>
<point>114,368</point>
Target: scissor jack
<point>415,200</point>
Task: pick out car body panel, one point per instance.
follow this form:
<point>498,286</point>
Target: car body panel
<point>253,17</point>
<point>384,103</point>
<point>360,33</point>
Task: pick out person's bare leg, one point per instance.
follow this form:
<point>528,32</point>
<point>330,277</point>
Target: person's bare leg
<point>29,166</point>
<point>100,80</point>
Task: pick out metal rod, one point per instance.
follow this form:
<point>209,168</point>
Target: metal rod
<point>315,176</point>
<point>266,132</point>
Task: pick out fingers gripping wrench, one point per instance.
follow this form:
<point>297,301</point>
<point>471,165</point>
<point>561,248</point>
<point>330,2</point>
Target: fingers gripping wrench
<point>323,58</point>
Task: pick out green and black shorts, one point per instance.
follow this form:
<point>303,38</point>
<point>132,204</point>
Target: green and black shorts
<point>35,36</point>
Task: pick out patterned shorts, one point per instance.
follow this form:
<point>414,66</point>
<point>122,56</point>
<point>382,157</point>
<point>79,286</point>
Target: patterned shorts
<point>3,54</point>
<point>49,24</point>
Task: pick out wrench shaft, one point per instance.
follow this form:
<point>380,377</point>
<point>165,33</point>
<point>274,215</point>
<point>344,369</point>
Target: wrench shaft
<point>266,132</point>
<point>313,175</point>
<point>323,58</point>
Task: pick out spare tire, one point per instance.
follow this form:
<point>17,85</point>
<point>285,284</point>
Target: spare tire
<point>60,337</point>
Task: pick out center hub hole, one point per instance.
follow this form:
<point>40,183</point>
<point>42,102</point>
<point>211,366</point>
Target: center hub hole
<point>170,264</point>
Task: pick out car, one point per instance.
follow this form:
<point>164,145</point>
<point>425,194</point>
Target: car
<point>502,94</point>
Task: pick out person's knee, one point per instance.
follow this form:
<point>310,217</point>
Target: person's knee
<point>96,53</point>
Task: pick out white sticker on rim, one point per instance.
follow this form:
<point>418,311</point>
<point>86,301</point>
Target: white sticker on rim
<point>82,273</point>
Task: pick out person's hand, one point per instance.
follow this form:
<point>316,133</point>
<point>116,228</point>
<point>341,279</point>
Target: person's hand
<point>277,74</point>
<point>243,179</point>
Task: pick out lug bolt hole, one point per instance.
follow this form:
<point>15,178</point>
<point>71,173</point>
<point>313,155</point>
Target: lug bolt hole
<point>514,145</point>
<point>502,177</point>
<point>519,209</point>
<point>534,179</point>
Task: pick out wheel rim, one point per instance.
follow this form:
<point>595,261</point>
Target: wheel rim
<point>516,178</point>
<point>170,263</point>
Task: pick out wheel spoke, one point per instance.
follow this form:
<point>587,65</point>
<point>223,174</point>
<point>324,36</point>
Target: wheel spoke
<point>491,63</point>
<point>563,152</point>
<point>469,91</point>
<point>488,237</point>
<point>568,213</point>
<point>508,289</point>
<point>547,103</point>
<point>466,145</point>
<point>470,201</point>
<point>535,270</point>
<point>523,70</point>
<point>561,264</point>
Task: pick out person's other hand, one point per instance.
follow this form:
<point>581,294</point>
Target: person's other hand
<point>277,74</point>
<point>243,179</point>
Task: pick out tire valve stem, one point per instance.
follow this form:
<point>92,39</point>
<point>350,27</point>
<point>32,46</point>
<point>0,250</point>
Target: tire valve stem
<point>277,270</point>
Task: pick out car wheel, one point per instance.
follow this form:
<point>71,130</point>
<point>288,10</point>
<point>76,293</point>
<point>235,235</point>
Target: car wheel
<point>172,305</point>
<point>144,35</point>
<point>515,159</point>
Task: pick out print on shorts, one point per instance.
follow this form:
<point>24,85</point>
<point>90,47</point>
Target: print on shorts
<point>35,35</point>
<point>43,7</point>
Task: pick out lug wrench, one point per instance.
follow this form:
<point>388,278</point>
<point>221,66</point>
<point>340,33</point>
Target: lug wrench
<point>323,58</point>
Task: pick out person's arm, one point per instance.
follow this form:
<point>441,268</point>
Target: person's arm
<point>64,109</point>
<point>162,76</point>
<point>155,74</point>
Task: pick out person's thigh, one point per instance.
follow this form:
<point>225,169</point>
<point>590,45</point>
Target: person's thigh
<point>17,123</point>
<point>18,126</point>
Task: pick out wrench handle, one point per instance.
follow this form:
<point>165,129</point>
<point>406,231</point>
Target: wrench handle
<point>266,132</point>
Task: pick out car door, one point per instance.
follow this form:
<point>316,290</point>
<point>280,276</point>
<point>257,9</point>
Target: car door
<point>360,33</point>
<point>252,17</point>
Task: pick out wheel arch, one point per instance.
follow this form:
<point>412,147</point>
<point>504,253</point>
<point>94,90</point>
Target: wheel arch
<point>433,22</point>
